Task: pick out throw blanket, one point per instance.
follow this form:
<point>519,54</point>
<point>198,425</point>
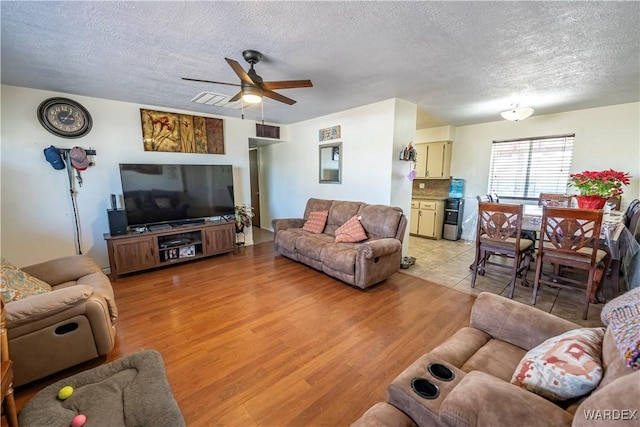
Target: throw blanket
<point>622,314</point>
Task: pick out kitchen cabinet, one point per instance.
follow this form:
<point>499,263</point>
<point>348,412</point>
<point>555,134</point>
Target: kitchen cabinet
<point>413,221</point>
<point>434,160</point>
<point>427,218</point>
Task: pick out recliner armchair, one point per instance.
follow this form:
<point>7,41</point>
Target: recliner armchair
<point>73,323</point>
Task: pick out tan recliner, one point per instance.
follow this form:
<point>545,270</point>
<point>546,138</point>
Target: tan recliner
<point>73,323</point>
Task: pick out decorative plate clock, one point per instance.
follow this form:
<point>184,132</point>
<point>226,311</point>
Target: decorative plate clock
<point>64,117</point>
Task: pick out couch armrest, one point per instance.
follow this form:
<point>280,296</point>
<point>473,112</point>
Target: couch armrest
<point>481,399</point>
<point>101,290</point>
<point>379,247</point>
<point>38,307</point>
<point>619,399</point>
<point>66,269</point>
<point>516,323</point>
<point>284,223</point>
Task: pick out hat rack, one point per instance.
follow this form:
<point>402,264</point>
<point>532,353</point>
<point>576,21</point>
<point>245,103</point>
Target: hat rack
<point>65,151</point>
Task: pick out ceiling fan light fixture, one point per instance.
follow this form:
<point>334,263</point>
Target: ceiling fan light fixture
<point>251,95</point>
<point>517,113</point>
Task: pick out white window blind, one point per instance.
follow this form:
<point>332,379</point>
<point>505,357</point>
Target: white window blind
<point>524,168</point>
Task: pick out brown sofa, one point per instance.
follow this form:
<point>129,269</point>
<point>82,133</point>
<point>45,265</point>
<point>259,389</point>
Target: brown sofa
<point>360,264</point>
<point>483,358</point>
<point>73,323</point>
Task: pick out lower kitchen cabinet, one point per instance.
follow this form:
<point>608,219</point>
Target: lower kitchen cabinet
<point>427,218</point>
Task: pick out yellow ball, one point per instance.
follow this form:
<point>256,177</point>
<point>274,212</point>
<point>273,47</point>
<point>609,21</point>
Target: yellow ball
<point>65,392</point>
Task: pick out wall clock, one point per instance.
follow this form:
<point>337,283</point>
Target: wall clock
<point>64,117</point>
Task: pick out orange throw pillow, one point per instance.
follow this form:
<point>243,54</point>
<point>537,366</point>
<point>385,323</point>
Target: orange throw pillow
<point>351,231</point>
<point>316,222</point>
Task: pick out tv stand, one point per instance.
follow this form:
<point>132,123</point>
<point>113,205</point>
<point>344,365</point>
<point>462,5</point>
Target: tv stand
<point>134,252</point>
<point>158,227</point>
<point>186,222</point>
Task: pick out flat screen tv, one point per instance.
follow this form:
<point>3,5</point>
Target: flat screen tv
<point>176,194</point>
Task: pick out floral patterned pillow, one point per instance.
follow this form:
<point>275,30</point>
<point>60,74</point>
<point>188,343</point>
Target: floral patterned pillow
<point>563,367</point>
<point>15,284</point>
<point>622,314</point>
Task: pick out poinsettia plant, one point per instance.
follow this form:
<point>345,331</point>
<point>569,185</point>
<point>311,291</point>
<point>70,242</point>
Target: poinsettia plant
<point>601,183</point>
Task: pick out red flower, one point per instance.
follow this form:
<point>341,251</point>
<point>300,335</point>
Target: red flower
<point>606,183</point>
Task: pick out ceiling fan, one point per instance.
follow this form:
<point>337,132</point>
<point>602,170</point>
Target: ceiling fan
<point>252,87</point>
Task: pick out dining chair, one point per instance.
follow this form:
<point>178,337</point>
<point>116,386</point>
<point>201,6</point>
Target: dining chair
<point>554,200</point>
<point>498,233</point>
<point>634,206</point>
<point>569,244</point>
<point>615,202</point>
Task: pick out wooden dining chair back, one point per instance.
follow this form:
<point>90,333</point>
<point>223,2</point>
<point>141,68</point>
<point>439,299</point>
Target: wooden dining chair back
<point>615,202</point>
<point>498,233</point>
<point>569,238</point>
<point>554,200</point>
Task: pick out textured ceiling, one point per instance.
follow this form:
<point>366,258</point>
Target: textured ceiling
<point>460,62</point>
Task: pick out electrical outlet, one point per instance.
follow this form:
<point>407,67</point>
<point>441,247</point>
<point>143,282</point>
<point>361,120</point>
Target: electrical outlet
<point>421,185</point>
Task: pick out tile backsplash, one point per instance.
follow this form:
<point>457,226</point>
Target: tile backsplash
<point>436,188</point>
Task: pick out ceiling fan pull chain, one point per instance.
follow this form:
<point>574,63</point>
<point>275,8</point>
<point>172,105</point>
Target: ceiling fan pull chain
<point>242,107</point>
<point>262,107</point>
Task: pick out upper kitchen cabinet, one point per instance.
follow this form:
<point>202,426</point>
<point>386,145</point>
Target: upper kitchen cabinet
<point>434,160</point>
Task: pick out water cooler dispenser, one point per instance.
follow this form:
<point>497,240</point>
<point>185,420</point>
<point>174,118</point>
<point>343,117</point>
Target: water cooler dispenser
<point>453,211</point>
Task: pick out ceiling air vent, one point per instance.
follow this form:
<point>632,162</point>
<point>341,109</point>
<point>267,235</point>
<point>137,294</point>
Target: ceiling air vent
<point>217,100</point>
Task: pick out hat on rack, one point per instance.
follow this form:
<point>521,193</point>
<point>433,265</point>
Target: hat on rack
<point>79,158</point>
<point>52,154</point>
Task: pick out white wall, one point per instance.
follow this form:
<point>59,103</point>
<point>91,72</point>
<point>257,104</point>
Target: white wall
<point>606,138</point>
<point>37,217</point>
<point>440,133</point>
<point>372,136</point>
<point>404,131</point>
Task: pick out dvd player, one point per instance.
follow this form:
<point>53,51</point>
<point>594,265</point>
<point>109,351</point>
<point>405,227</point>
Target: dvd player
<point>175,242</point>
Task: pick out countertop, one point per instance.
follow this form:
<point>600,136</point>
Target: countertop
<point>429,198</point>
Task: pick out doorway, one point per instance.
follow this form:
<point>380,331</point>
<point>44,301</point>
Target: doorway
<point>254,168</point>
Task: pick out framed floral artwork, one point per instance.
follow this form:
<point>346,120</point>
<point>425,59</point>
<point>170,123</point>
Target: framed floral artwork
<point>181,133</point>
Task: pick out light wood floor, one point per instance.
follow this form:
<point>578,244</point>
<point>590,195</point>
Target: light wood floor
<point>257,339</point>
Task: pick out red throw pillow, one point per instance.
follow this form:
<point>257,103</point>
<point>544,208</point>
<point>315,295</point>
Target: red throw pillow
<point>316,222</point>
<point>351,231</point>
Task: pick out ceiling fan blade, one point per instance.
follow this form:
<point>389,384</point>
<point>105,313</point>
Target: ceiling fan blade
<point>278,97</point>
<point>287,84</point>
<point>209,81</point>
<point>240,71</point>
<point>236,97</point>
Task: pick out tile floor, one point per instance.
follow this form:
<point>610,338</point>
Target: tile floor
<point>447,263</point>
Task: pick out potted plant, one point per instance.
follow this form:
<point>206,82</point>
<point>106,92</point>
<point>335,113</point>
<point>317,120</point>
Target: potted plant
<point>244,214</point>
<point>596,187</point>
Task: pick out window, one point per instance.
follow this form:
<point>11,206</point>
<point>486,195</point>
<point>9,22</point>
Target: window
<point>524,168</point>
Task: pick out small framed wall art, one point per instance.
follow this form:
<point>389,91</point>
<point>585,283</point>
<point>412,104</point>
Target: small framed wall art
<point>329,133</point>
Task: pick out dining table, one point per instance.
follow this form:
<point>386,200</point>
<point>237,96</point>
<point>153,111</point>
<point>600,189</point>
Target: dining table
<point>614,236</point>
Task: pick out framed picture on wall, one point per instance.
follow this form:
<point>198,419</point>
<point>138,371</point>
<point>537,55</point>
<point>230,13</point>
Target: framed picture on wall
<point>181,133</point>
